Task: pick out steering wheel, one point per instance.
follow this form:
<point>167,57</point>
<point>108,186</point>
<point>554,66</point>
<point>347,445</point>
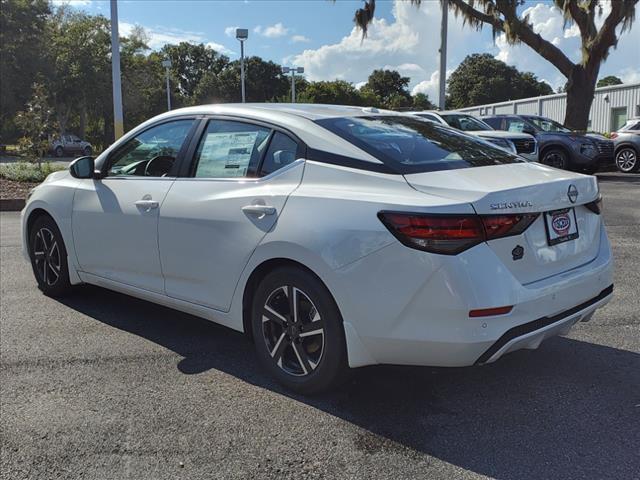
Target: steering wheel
<point>159,166</point>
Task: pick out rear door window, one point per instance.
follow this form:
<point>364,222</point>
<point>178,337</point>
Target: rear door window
<point>408,145</point>
<point>230,149</point>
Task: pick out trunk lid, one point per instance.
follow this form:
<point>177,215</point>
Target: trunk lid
<point>525,188</point>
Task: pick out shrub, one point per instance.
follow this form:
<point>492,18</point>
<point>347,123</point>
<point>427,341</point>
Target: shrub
<point>28,172</point>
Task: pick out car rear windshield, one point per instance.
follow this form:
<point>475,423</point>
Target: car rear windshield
<point>410,145</point>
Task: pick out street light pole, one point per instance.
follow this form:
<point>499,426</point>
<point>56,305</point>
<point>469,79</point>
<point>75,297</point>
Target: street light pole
<point>242,34</point>
<point>443,53</point>
<point>293,71</point>
<point>118,120</point>
<point>167,65</point>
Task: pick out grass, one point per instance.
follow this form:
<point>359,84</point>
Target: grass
<point>28,172</point>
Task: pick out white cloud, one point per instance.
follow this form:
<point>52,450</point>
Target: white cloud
<point>409,43</point>
<point>299,39</point>
<point>218,47</point>
<point>230,31</point>
<point>159,36</point>
<point>272,31</point>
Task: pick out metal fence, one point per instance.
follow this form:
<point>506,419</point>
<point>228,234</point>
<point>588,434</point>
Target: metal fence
<point>611,107</point>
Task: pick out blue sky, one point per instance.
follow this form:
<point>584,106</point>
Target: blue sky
<point>319,35</point>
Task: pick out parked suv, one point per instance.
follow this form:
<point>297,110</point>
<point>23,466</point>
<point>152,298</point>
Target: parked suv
<point>630,126</point>
<point>521,143</point>
<point>559,146</point>
<point>627,145</point>
<point>69,145</point>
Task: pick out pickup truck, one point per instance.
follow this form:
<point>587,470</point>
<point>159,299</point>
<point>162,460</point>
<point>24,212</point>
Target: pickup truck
<point>70,145</point>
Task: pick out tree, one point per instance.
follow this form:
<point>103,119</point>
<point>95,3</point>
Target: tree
<point>481,79</point>
<point>78,65</point>
<point>505,16</point>
<point>336,92</point>
<point>609,80</point>
<point>36,123</point>
<point>189,63</point>
<point>22,24</point>
<point>264,82</point>
<point>421,102</point>
<point>390,87</point>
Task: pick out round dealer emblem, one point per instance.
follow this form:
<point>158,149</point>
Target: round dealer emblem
<point>561,223</point>
<point>572,193</point>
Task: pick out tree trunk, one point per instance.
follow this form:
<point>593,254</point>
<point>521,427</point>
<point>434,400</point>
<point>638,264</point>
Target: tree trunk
<point>580,90</point>
<point>83,119</point>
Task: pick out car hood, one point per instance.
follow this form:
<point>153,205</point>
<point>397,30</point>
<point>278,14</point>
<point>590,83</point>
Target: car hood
<point>501,134</point>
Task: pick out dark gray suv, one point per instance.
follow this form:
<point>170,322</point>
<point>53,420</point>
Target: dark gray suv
<point>558,146</point>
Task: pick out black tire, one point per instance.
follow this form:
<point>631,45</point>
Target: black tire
<point>556,157</point>
<point>298,358</point>
<point>627,160</point>
<point>87,151</point>
<point>59,152</point>
<point>49,257</point>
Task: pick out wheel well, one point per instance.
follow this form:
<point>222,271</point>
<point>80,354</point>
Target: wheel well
<point>256,277</point>
<point>626,145</point>
<point>555,146</point>
<point>33,216</point>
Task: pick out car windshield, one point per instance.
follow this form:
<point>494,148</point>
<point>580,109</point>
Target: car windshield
<point>633,124</point>
<point>410,145</point>
<point>466,123</point>
<point>547,124</point>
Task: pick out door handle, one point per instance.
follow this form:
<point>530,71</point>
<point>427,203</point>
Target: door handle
<point>147,205</point>
<point>259,210</point>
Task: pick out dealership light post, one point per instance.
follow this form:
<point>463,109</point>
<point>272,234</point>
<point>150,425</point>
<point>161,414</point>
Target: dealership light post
<point>293,71</point>
<point>443,53</point>
<point>118,120</point>
<point>167,65</point>
<point>242,34</point>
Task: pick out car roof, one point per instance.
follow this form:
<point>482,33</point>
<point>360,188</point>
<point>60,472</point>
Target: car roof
<point>277,111</point>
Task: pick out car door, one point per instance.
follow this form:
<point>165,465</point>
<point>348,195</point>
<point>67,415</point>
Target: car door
<point>115,218</point>
<point>213,219</point>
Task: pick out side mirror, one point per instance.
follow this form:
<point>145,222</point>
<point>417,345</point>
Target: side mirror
<point>82,167</point>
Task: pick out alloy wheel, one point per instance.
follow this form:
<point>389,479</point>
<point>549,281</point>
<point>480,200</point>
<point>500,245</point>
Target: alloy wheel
<point>626,160</point>
<point>293,330</point>
<point>47,258</point>
<point>555,159</point>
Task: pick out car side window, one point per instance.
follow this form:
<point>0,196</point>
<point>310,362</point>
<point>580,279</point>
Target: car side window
<point>151,153</point>
<point>230,149</point>
<point>282,151</point>
<point>493,122</point>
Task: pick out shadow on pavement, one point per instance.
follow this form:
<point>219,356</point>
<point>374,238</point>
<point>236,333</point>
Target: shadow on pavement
<point>569,410</point>
<point>626,178</point>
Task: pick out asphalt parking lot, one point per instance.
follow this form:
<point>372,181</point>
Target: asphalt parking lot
<point>100,385</point>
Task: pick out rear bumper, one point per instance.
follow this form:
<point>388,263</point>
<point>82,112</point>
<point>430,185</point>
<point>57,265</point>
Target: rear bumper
<point>402,306</point>
<point>530,335</point>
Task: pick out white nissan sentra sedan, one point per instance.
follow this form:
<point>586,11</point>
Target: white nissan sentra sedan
<point>334,236</point>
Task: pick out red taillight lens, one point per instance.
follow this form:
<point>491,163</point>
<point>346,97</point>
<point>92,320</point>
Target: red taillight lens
<point>614,135</point>
<point>498,226</point>
<point>452,234</point>
<point>446,234</point>
<point>490,312</point>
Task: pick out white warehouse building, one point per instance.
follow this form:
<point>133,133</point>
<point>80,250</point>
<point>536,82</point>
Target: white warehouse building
<point>612,107</point>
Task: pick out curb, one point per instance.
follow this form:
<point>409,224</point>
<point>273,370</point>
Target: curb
<point>11,204</point>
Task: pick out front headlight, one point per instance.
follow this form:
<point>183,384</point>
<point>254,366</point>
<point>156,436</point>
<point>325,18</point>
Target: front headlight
<point>588,149</point>
<point>504,144</point>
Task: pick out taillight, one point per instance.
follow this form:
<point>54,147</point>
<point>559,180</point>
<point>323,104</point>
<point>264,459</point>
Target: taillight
<point>614,135</point>
<point>452,234</point>
<point>595,206</point>
<point>498,226</point>
<point>446,234</point>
